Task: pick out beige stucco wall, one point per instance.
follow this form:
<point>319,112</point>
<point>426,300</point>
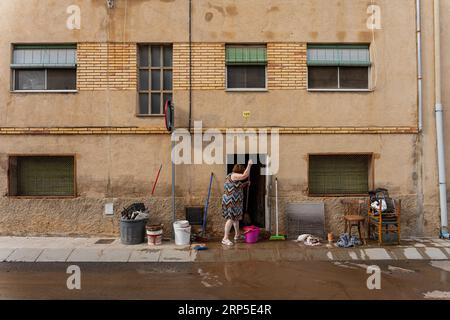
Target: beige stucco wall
<point>120,169</point>
<point>392,103</point>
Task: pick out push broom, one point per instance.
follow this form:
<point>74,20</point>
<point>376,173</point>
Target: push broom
<point>277,236</point>
<point>247,220</point>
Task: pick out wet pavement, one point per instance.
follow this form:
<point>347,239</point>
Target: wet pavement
<point>79,250</point>
<point>228,280</point>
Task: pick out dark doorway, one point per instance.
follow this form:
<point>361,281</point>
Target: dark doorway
<point>257,190</point>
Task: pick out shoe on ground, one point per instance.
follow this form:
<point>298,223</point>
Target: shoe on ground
<point>227,242</point>
<point>240,237</point>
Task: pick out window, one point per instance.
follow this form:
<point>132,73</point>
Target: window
<point>42,176</point>
<point>155,78</point>
<point>338,67</point>
<point>44,68</point>
<point>246,67</point>
<point>339,174</point>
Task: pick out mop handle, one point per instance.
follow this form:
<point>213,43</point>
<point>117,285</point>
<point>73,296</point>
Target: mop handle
<point>156,180</point>
<point>248,193</point>
<point>276,203</point>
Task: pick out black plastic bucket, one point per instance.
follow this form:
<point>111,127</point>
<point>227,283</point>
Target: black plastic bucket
<point>132,231</point>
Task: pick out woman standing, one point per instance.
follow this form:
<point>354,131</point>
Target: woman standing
<point>233,198</point>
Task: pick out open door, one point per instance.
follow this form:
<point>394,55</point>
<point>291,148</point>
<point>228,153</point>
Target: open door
<point>257,196</point>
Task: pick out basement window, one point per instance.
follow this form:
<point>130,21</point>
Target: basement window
<point>339,175</point>
<point>246,67</point>
<point>42,176</point>
<point>44,68</point>
<point>155,78</point>
<point>338,67</point>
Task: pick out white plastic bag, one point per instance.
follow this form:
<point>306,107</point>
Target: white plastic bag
<point>376,205</point>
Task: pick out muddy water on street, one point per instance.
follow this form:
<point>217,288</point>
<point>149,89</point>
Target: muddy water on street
<point>244,280</point>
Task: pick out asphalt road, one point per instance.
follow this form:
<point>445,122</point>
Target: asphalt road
<point>247,280</point>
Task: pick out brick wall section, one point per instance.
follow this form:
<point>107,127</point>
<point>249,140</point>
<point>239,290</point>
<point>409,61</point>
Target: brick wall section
<point>208,66</point>
<point>286,66</point>
<point>154,130</point>
<point>102,66</point>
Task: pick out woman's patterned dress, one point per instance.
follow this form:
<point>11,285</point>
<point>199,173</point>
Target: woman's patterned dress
<point>232,199</point>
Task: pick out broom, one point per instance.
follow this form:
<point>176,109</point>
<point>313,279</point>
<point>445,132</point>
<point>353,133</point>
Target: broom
<point>277,236</point>
<point>247,220</point>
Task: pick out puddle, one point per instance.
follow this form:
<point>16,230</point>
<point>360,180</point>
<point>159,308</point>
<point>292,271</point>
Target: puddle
<point>437,295</point>
<point>209,280</point>
<point>443,265</point>
<point>398,269</point>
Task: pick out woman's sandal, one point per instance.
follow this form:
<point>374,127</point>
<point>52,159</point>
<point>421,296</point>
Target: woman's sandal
<point>240,237</point>
<point>227,242</point>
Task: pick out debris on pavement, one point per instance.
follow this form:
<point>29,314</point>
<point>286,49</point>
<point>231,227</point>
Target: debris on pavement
<point>347,241</point>
<point>309,240</point>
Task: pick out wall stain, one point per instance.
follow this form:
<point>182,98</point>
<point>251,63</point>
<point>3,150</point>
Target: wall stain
<point>273,9</point>
<point>228,34</point>
<point>365,36</point>
<point>269,34</point>
<point>209,16</point>
<point>314,34</point>
<point>231,10</point>
<point>341,35</point>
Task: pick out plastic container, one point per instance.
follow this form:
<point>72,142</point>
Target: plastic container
<point>154,235</point>
<point>132,231</point>
<point>251,234</point>
<point>182,231</point>
<point>181,224</point>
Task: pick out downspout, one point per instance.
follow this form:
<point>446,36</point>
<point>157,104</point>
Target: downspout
<point>439,121</point>
<point>419,142</point>
<point>190,65</point>
<point>419,64</point>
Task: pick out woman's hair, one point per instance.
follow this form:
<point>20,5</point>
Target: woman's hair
<point>238,168</point>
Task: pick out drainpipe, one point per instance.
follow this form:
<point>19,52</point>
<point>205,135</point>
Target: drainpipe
<point>439,121</point>
<point>419,64</point>
<point>190,65</point>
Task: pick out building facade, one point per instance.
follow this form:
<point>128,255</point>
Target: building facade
<point>83,89</point>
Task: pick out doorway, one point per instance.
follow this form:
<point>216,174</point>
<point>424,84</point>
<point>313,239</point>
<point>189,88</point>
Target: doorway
<point>256,193</point>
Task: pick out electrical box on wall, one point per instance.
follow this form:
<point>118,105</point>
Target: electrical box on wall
<point>109,209</point>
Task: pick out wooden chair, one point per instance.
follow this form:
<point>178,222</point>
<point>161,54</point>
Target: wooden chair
<point>353,216</point>
<point>384,227</point>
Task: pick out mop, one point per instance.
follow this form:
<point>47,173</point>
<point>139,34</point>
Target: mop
<point>247,220</point>
<point>277,236</point>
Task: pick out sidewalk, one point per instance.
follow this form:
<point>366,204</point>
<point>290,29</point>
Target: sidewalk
<point>63,249</point>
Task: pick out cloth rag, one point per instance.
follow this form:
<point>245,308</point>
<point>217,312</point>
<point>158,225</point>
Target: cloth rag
<point>308,239</point>
<point>347,241</point>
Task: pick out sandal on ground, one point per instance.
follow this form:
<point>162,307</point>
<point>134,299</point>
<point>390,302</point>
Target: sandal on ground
<point>227,242</point>
<point>240,237</point>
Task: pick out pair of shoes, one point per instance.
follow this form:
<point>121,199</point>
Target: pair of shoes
<point>240,237</point>
<point>227,242</point>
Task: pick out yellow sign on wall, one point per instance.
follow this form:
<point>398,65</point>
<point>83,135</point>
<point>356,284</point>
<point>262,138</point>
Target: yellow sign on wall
<point>246,114</point>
